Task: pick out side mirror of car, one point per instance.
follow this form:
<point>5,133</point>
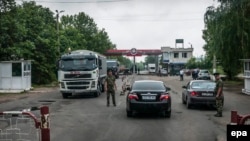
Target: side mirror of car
<point>184,87</point>
<point>168,89</point>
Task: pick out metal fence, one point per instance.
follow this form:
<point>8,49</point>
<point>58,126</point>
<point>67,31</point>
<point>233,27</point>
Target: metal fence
<point>237,119</point>
<point>24,125</point>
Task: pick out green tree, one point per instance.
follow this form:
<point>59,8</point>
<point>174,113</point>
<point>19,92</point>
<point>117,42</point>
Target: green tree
<point>81,32</point>
<point>226,34</point>
<point>9,29</point>
<point>38,41</point>
<point>28,31</point>
<point>191,64</point>
<point>151,59</point>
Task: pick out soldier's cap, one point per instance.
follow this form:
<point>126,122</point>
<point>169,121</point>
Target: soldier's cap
<point>216,74</point>
<point>109,70</point>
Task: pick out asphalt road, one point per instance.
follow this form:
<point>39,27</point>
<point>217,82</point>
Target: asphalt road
<point>88,118</point>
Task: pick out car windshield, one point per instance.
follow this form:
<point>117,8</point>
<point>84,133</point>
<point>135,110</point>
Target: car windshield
<point>148,86</point>
<point>79,64</point>
<point>203,85</point>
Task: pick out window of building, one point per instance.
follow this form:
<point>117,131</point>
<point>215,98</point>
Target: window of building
<point>16,69</point>
<point>247,66</point>
<point>184,55</point>
<point>176,55</point>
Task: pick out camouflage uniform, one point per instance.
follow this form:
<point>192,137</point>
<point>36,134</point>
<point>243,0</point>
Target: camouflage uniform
<point>110,80</point>
<point>219,100</point>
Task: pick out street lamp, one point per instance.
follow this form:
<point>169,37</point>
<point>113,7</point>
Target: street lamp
<point>57,27</point>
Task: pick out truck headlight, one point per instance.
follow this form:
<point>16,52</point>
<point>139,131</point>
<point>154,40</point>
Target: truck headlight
<point>93,84</point>
<point>62,85</point>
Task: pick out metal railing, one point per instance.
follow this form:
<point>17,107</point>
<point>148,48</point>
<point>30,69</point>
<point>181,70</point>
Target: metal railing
<point>24,125</point>
<point>237,119</point>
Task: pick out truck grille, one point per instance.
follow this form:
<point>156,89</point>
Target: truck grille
<point>77,83</point>
<point>77,75</point>
<point>75,87</point>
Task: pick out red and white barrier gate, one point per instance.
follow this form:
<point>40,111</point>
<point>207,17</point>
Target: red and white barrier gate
<point>237,119</point>
<point>24,125</point>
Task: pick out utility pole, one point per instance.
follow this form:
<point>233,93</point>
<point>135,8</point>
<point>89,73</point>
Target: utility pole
<point>57,27</point>
<point>214,64</point>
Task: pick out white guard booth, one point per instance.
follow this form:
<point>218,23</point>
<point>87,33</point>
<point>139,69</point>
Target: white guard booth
<point>15,76</point>
<point>246,76</point>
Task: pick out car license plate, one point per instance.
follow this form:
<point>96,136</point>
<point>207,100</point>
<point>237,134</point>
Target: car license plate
<point>207,94</point>
<point>148,97</point>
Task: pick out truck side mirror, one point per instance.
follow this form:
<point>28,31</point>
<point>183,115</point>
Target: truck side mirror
<point>58,63</point>
<point>100,63</point>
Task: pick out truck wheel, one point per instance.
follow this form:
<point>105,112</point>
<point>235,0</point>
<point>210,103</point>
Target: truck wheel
<point>65,95</point>
<point>102,86</point>
<point>98,92</point>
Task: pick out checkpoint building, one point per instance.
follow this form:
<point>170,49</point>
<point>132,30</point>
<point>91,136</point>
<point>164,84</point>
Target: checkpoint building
<point>174,59</point>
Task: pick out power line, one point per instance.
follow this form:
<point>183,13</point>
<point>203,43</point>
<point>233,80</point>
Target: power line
<point>150,20</point>
<point>103,1</point>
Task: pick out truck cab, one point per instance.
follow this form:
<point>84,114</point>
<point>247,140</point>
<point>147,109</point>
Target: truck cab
<point>82,72</point>
<point>151,68</point>
<point>114,66</point>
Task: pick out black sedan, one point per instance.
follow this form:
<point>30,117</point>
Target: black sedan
<point>199,92</point>
<point>149,96</point>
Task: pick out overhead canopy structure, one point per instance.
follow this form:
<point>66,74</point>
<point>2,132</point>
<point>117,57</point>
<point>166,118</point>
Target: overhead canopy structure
<point>133,52</point>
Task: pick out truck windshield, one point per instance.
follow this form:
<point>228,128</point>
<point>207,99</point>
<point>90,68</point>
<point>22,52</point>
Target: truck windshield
<point>81,64</point>
<point>111,64</point>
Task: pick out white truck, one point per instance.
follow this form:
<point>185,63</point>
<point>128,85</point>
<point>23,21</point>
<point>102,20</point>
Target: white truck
<point>114,64</point>
<point>81,72</point>
<point>151,68</point>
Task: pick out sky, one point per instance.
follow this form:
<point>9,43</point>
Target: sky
<point>142,24</point>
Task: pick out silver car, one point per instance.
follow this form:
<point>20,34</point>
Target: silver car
<point>204,75</point>
<point>198,92</point>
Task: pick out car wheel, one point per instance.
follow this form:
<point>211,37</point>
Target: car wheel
<point>167,114</point>
<point>129,113</point>
<point>183,101</point>
<point>188,104</point>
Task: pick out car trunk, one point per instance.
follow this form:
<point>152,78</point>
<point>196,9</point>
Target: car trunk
<point>152,96</point>
<point>205,93</point>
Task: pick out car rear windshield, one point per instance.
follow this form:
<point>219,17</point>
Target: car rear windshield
<point>203,85</point>
<point>148,86</point>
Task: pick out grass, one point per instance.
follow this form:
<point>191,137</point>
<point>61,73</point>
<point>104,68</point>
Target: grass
<point>53,84</point>
<point>235,82</point>
<point>10,94</point>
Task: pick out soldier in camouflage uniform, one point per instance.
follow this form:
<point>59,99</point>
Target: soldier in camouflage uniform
<point>110,87</point>
<point>219,95</point>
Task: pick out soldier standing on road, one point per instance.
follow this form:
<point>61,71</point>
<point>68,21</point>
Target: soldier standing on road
<point>219,95</point>
<point>110,87</point>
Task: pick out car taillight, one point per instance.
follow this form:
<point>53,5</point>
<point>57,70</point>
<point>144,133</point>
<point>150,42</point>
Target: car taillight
<point>133,96</point>
<point>193,93</point>
<point>165,97</point>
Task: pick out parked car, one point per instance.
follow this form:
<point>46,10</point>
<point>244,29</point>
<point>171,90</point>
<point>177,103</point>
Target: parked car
<point>199,92</point>
<point>204,75</point>
<point>164,72</point>
<point>148,96</point>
